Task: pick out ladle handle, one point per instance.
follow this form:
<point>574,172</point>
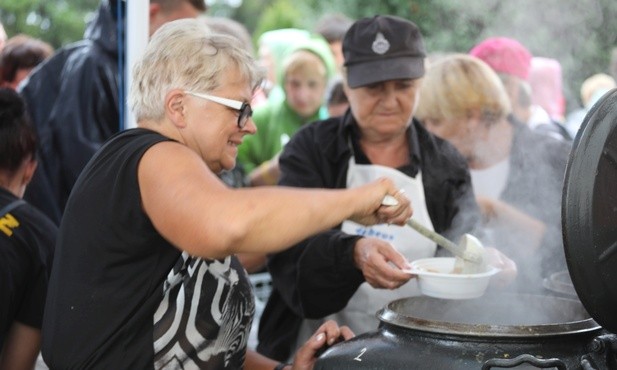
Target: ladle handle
<point>437,238</point>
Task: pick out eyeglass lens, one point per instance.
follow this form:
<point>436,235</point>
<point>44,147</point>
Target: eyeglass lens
<point>245,113</point>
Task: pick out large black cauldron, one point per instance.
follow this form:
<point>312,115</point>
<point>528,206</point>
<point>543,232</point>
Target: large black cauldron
<point>492,332</point>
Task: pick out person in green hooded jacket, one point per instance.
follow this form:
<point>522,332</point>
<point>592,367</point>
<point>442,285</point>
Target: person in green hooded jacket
<point>304,76</point>
<point>272,47</point>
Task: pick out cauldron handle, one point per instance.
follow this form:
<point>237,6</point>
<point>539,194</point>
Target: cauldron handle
<point>538,362</point>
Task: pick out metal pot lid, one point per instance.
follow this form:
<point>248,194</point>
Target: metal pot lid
<point>589,212</point>
<point>504,315</point>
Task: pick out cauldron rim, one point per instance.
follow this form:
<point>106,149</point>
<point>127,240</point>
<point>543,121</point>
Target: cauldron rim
<point>389,316</point>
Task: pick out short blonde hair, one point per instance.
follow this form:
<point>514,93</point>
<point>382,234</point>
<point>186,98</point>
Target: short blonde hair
<point>185,54</point>
<point>460,86</point>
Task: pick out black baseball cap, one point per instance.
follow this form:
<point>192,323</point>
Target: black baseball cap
<point>383,48</point>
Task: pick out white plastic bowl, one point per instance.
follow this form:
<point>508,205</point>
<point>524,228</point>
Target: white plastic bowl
<point>435,279</point>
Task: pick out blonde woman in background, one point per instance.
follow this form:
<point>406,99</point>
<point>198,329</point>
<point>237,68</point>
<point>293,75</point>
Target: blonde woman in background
<point>516,172</point>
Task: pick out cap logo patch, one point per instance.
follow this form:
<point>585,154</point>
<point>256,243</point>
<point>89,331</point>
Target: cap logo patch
<point>380,45</point>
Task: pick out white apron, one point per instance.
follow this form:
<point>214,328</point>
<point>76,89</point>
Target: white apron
<point>359,314</point>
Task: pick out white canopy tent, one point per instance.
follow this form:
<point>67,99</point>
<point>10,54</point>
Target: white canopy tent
<point>137,25</point>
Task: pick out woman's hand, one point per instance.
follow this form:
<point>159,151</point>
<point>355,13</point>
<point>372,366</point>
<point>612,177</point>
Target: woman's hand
<point>267,174</point>
<point>370,211</point>
<point>508,268</point>
<point>328,334</point>
<point>381,263</point>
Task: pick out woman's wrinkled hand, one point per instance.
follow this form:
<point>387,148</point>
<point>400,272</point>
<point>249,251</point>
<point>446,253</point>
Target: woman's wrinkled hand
<point>380,263</point>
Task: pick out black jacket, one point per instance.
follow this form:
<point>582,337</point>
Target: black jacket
<point>534,186</point>
<point>73,99</point>
<point>317,277</point>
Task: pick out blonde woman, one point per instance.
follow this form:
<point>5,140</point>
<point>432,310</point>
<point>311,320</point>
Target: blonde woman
<point>516,173</point>
<point>145,274</point>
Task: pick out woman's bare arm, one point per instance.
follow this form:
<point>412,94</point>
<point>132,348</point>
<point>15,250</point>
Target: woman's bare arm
<point>195,211</point>
<point>21,347</point>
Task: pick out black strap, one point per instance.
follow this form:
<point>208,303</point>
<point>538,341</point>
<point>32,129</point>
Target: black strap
<point>11,206</point>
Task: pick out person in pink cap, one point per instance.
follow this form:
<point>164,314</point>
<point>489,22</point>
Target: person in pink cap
<point>513,63</point>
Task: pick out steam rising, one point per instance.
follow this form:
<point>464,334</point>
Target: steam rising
<point>566,30</point>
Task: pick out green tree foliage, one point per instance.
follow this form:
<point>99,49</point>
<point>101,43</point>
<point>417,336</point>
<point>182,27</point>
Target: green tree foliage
<point>247,14</point>
<point>57,22</point>
<point>580,34</point>
<point>279,14</point>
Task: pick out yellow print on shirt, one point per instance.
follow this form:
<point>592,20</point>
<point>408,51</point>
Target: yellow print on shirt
<point>8,223</point>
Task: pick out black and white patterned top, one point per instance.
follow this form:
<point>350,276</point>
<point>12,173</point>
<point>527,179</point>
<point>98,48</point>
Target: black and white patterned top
<point>205,316</point>
<point>122,297</point>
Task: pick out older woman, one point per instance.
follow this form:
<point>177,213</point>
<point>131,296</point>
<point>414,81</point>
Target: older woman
<point>516,173</point>
<point>145,275</point>
<point>351,271</point>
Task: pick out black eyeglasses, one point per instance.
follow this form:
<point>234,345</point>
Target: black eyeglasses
<point>243,107</point>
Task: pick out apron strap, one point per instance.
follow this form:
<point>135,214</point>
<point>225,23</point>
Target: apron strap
<point>11,206</point>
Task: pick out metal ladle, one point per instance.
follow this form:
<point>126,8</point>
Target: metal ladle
<point>470,253</point>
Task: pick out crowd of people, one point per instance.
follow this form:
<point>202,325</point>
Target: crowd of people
<point>134,248</point>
